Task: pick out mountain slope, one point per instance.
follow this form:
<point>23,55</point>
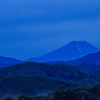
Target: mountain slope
<point>35,78</point>
<point>90,62</point>
<point>89,59</point>
<point>30,85</point>
<point>6,61</point>
<point>71,51</point>
<point>89,67</point>
<point>59,71</point>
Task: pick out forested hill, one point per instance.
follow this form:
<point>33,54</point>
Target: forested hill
<point>57,71</point>
<point>7,61</point>
<point>31,78</point>
<point>30,85</point>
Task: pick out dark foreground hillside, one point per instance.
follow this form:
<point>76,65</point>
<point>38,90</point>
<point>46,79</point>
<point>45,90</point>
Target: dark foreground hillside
<point>57,71</point>
<point>79,93</point>
<point>32,78</point>
<point>31,85</point>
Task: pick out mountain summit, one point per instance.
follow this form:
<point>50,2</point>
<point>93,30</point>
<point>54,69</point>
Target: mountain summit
<point>71,51</point>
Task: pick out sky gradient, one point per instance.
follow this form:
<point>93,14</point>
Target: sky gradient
<point>31,28</point>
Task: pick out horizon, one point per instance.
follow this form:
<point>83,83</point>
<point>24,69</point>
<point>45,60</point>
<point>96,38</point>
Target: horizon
<point>53,50</point>
<point>34,28</point>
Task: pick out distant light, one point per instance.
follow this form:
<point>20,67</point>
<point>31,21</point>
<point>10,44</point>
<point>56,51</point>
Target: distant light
<point>77,45</point>
<point>79,48</point>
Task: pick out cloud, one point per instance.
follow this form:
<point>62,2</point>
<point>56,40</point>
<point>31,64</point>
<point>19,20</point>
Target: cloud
<point>16,12</point>
<point>31,28</point>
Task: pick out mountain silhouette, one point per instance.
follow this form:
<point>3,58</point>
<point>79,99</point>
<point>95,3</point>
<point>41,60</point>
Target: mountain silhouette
<point>88,59</point>
<point>88,67</point>
<point>71,51</point>
<point>7,61</point>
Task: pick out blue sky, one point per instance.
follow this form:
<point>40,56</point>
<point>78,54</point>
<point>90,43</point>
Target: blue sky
<point>31,28</point>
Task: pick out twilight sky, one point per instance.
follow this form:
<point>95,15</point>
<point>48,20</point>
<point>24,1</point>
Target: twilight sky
<point>31,28</point>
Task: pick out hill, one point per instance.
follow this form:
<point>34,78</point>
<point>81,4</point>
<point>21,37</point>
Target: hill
<point>62,72</point>
<point>33,78</point>
<point>30,85</point>
<point>78,93</point>
<point>83,66</point>
<point>90,62</point>
<point>57,72</point>
<point>71,51</point>
<point>7,61</point>
<point>89,59</point>
<point>88,67</point>
<point>2,65</point>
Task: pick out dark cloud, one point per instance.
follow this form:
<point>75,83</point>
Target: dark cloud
<point>14,13</point>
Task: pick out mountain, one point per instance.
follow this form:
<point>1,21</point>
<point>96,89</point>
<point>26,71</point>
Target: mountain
<point>35,78</point>
<point>82,66</point>
<point>89,59</point>
<point>89,67</point>
<point>71,51</point>
<point>90,62</point>
<point>30,85</point>
<point>2,65</point>
<point>6,61</point>
<point>62,72</point>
